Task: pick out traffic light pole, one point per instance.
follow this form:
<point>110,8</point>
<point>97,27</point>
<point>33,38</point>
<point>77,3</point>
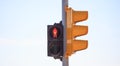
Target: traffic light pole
<point>64,5</point>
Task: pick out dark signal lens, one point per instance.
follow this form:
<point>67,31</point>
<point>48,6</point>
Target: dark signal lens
<point>55,49</point>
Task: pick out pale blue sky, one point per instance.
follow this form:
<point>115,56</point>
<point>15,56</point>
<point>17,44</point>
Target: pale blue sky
<point>23,32</point>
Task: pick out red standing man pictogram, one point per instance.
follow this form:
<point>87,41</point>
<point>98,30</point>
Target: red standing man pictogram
<point>55,32</point>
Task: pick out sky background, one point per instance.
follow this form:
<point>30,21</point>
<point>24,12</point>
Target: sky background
<point>23,32</point>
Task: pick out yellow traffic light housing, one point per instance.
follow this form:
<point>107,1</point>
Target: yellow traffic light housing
<point>73,31</point>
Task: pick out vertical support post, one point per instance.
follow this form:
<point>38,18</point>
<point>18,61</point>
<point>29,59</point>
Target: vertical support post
<point>64,5</point>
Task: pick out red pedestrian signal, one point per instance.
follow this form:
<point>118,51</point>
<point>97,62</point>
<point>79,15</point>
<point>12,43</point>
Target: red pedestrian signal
<point>55,32</point>
<point>55,40</point>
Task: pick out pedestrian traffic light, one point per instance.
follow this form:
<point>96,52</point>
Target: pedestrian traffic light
<point>72,31</point>
<point>55,40</point>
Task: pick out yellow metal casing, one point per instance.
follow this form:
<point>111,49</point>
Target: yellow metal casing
<point>73,31</point>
